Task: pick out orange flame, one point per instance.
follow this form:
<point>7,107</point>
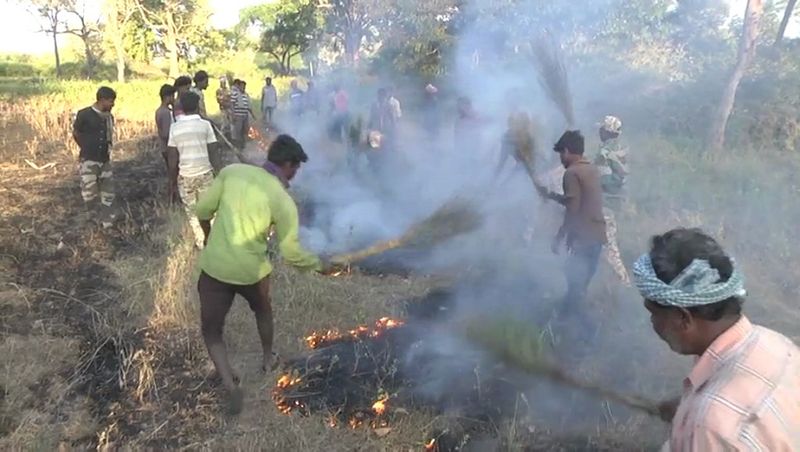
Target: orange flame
<point>319,339</point>
<point>286,406</point>
<point>254,134</point>
<point>379,407</point>
<point>431,445</point>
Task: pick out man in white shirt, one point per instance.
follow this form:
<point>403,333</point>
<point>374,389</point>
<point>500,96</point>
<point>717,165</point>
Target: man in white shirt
<point>269,101</point>
<point>191,138</point>
<point>394,104</point>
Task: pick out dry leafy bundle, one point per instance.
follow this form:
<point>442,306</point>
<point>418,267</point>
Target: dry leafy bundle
<point>521,345</point>
<point>553,75</point>
<point>454,218</point>
<point>520,128</point>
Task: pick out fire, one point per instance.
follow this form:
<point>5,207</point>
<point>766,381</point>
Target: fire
<point>379,407</point>
<point>284,405</point>
<point>254,134</point>
<point>431,445</point>
<point>319,339</point>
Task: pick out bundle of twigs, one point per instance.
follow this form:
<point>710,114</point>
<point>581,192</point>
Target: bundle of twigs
<point>454,218</point>
<point>521,346</point>
<point>520,130</point>
<point>553,75</point>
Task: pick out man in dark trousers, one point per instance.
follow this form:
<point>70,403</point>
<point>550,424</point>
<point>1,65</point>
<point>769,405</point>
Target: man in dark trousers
<point>93,130</point>
<point>583,229</point>
<point>245,201</point>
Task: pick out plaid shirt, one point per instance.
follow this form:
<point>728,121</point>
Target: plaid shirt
<point>742,394</point>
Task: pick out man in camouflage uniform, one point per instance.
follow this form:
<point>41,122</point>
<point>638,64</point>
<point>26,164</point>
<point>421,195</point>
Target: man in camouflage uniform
<point>612,162</point>
<point>93,130</point>
<point>224,101</point>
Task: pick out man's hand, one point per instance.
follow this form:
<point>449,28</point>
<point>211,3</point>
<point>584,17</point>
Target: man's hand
<point>667,409</point>
<point>541,189</point>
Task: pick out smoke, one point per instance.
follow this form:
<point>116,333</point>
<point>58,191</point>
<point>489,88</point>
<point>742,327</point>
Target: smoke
<point>362,196</point>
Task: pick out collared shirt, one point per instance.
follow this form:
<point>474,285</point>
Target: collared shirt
<point>191,135</point>
<point>164,122</point>
<point>269,96</point>
<point>94,131</point>
<point>240,102</point>
<point>276,171</point>
<point>742,394</point>
<point>244,201</point>
<point>584,224</point>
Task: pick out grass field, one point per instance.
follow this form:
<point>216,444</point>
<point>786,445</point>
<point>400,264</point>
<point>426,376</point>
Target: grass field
<point>101,345</point>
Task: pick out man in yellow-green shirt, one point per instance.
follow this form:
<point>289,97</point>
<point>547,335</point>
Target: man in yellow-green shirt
<point>244,201</point>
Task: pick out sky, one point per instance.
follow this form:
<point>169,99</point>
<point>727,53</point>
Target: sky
<point>18,28</point>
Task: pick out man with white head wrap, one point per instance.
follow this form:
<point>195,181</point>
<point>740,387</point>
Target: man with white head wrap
<point>744,390</point>
<point>612,162</point>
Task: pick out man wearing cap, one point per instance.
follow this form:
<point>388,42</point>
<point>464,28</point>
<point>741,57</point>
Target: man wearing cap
<point>612,162</point>
<point>743,392</point>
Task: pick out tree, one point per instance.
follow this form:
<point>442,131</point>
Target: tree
<point>51,13</point>
<point>177,23</point>
<point>287,28</point>
<point>787,15</point>
<point>118,13</point>
<point>349,21</point>
<point>747,50</point>
<point>84,28</point>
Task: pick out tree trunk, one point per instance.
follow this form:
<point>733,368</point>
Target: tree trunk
<point>747,49</point>
<point>787,15</point>
<point>171,42</point>
<point>90,58</point>
<point>55,50</point>
<point>352,43</point>
<point>120,51</point>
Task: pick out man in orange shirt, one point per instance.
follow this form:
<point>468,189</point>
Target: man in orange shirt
<point>744,390</point>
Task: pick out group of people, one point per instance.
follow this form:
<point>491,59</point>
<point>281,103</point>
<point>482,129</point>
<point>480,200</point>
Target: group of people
<point>742,393</point>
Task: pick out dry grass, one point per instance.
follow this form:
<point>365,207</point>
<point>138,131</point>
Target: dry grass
<point>151,321</point>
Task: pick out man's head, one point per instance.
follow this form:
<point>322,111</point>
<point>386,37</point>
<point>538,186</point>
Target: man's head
<point>182,84</point>
<point>201,79</point>
<point>242,85</point>
<point>190,102</point>
<point>610,128</point>
<point>287,154</point>
<point>223,82</point>
<point>167,93</point>
<point>105,99</point>
<point>569,147</point>
<point>268,80</point>
<point>691,289</point>
<point>382,94</point>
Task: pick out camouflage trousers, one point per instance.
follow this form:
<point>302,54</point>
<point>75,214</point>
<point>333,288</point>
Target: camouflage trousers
<point>96,182</point>
<point>190,189</point>
<point>613,255</point>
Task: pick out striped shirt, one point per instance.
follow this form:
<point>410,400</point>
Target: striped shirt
<point>191,135</point>
<point>240,102</point>
<point>742,394</point>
